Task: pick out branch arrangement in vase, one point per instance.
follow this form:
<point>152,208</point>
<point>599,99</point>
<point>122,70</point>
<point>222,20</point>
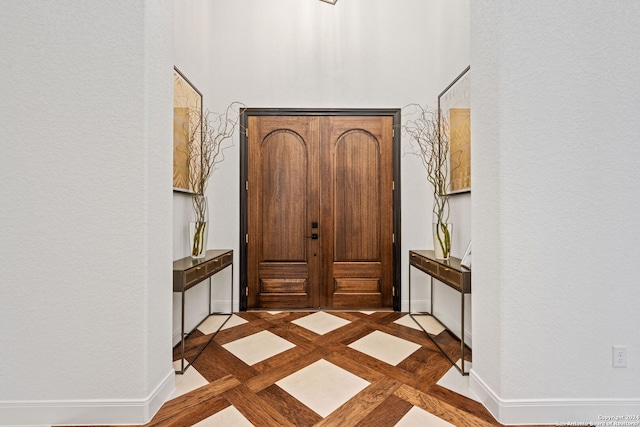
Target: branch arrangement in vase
<point>429,141</point>
<point>206,136</point>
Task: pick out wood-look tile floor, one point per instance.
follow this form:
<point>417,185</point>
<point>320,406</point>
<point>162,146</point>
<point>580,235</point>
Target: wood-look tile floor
<point>316,369</point>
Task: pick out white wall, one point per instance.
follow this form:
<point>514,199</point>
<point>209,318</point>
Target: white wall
<point>85,214</point>
<point>192,42</point>
<point>555,230</point>
<point>309,54</point>
<point>85,211</point>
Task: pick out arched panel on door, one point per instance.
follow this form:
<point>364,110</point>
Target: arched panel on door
<point>357,197</point>
<point>284,178</point>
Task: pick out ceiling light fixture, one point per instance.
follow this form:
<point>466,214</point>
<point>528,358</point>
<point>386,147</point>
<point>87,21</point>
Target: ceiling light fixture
<point>330,1</point>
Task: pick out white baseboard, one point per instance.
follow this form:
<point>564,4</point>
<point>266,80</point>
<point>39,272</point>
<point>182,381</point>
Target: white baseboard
<point>554,411</point>
<point>221,306</point>
<point>86,412</point>
<point>421,305</point>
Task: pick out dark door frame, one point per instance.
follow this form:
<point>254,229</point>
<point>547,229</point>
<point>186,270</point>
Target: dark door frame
<point>395,113</point>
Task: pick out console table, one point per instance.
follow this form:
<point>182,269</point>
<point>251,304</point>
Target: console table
<point>452,274</point>
<point>188,272</point>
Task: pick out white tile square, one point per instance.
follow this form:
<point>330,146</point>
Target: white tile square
<point>213,322</point>
<point>229,416</point>
<point>455,381</point>
<point>408,322</point>
<point>419,417</point>
<point>321,322</point>
<point>234,321</point>
<point>189,381</point>
<point>428,322</point>
<point>323,386</point>
<point>258,347</point>
<point>385,347</point>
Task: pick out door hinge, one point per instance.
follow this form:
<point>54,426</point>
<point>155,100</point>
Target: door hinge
<point>246,238</point>
<point>393,238</point>
<point>393,291</point>
<point>246,132</point>
<point>393,133</point>
<point>246,186</point>
<point>246,291</point>
<point>393,185</point>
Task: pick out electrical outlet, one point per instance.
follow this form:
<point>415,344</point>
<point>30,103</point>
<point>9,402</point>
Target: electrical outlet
<point>619,356</point>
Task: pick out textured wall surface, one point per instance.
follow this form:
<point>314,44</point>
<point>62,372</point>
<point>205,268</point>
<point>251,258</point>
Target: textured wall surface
<point>555,213</point>
<point>85,215</point>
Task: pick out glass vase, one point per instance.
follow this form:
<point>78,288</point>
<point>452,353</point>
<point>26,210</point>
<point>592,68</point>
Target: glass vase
<point>442,239</point>
<point>199,227</point>
<point>198,232</point>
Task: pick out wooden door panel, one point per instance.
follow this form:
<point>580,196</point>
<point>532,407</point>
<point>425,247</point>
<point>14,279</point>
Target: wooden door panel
<point>357,200</point>
<point>331,176</point>
<point>358,285</point>
<point>282,201</point>
<point>357,269</point>
<point>282,285</point>
<point>356,197</point>
<point>284,178</point>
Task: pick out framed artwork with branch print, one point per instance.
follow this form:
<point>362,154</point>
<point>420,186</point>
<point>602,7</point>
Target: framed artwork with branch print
<point>454,108</point>
<point>187,101</point>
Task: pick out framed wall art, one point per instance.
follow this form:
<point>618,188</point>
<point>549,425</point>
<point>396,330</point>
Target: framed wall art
<point>454,107</point>
<point>187,116</point>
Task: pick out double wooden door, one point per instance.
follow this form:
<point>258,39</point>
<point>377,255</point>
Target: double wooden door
<point>320,212</point>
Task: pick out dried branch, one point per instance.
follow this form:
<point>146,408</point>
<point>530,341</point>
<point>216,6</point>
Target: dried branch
<point>205,142</point>
<point>206,137</point>
<point>429,141</point>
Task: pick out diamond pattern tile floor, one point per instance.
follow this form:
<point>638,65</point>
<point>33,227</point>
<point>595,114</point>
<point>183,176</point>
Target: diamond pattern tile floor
<point>419,417</point>
<point>303,369</point>
<point>213,323</point>
<point>189,381</point>
<point>452,380</point>
<point>322,386</point>
<point>385,347</point>
<point>258,347</point>
<point>429,323</point>
<point>321,322</point>
<point>227,417</point>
